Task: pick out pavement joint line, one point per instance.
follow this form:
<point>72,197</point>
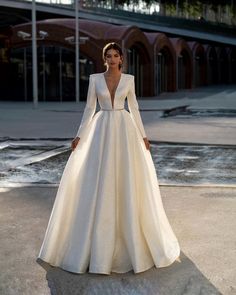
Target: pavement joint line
<point>199,185</point>
<point>19,185</point>
<point>151,141</point>
<point>192,143</point>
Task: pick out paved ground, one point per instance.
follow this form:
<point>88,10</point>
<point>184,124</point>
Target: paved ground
<point>203,219</point>
<point>61,120</point>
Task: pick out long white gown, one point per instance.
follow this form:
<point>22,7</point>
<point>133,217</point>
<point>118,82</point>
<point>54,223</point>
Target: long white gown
<point>108,214</point>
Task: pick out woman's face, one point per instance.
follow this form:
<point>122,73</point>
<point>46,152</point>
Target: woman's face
<point>113,58</point>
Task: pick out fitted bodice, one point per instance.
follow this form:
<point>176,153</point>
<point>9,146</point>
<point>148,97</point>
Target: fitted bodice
<point>103,94</point>
<point>98,91</point>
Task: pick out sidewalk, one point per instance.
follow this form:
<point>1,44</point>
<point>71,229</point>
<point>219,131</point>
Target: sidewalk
<point>61,120</point>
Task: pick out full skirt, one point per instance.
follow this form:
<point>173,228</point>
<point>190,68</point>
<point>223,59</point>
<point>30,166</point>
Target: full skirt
<point>108,214</point>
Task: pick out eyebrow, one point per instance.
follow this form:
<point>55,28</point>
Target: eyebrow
<point>111,54</point>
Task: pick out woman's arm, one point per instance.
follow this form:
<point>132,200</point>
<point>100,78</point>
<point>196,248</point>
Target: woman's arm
<point>89,108</point>
<point>134,108</point>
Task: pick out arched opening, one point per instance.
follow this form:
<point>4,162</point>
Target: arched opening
<point>137,60</point>
<point>184,70</point>
<point>164,70</point>
<point>212,67</point>
<point>233,65</point>
<point>223,67</point>
<point>200,67</point>
<point>56,74</point>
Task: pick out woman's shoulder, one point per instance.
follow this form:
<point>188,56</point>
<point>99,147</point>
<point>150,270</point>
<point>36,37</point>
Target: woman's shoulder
<point>102,73</point>
<point>128,76</point>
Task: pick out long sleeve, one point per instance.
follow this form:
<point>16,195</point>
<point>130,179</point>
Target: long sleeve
<point>134,108</point>
<point>89,108</point>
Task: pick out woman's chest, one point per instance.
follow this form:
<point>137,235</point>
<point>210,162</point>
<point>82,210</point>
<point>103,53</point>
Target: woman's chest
<point>119,91</point>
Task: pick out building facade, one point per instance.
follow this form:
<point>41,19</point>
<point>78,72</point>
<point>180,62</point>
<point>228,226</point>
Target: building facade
<point>159,63</point>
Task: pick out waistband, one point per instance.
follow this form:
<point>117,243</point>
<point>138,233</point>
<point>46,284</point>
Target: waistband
<point>111,109</point>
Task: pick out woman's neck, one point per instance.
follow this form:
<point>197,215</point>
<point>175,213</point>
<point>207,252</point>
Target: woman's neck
<point>113,72</point>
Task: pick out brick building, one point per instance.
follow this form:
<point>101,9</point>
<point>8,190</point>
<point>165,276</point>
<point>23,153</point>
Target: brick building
<point>159,63</point>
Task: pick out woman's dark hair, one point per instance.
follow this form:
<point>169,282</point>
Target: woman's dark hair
<point>112,45</point>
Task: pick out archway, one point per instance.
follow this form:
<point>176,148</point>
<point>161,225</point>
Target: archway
<point>56,60</point>
<point>184,70</point>
<point>233,65</point>
<point>184,63</point>
<point>223,66</point>
<point>164,70</point>
<point>137,60</point>
<point>199,66</point>
<point>56,73</point>
<point>212,68</point>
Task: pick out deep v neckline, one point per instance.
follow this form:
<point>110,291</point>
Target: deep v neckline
<point>103,74</point>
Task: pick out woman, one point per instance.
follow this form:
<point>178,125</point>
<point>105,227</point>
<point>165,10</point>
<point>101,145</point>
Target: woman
<point>108,214</point>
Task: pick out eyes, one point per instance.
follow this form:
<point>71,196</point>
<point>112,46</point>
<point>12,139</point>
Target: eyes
<point>110,55</point>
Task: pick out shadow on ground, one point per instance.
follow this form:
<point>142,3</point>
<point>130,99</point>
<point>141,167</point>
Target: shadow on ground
<point>203,219</point>
<point>182,277</point>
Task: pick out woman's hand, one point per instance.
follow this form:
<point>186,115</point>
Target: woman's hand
<point>147,144</point>
<point>74,143</point>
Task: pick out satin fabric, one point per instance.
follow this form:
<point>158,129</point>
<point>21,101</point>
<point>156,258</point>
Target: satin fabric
<point>108,214</point>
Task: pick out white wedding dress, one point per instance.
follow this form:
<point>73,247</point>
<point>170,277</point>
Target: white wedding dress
<point>108,214</point>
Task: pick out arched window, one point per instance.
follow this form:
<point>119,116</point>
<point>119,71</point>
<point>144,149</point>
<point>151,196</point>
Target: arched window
<point>233,65</point>
<point>223,66</point>
<point>164,70</point>
<point>184,70</point>
<point>56,74</point>
<point>199,67</point>
<point>138,64</point>
<point>212,67</point>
